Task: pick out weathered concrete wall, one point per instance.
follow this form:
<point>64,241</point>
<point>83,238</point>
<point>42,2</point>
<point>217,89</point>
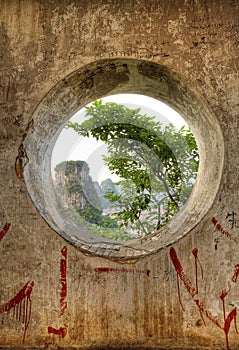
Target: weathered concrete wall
<point>52,295</point>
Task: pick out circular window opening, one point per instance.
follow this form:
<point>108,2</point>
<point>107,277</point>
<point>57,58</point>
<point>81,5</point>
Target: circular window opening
<point>124,166</point>
<point>97,81</point>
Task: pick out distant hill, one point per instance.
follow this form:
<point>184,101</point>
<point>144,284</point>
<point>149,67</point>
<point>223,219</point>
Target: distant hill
<point>107,186</point>
<point>75,186</point>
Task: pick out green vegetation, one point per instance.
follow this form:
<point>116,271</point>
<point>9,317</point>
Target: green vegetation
<point>94,215</point>
<point>115,233</point>
<point>157,165</point>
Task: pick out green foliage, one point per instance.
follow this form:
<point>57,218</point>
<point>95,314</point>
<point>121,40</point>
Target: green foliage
<point>116,234</point>
<point>94,216</point>
<point>109,230</point>
<point>157,165</point>
<point>90,214</point>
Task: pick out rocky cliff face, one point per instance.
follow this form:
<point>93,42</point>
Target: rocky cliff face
<point>75,186</point>
<point>73,183</point>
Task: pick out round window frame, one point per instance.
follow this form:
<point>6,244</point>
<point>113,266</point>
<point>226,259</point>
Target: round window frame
<point>108,77</point>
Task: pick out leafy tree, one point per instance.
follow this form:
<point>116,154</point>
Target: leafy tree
<point>90,213</point>
<point>107,228</point>
<point>107,186</point>
<point>157,165</point>
<point>94,216</point>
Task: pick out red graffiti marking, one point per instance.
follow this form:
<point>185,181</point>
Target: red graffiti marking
<point>63,293</point>
<point>236,273</point>
<point>4,230</point>
<point>227,320</point>
<point>223,295</point>
<point>111,269</point>
<point>232,315</point>
<point>227,324</point>
<point>200,304</point>
<point>220,229</point>
<point>180,273</point>
<point>62,331</point>
<point>195,253</point>
<point>202,310</point>
<point>21,305</point>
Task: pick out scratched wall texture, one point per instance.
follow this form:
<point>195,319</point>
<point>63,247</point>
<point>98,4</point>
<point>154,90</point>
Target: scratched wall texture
<point>186,296</point>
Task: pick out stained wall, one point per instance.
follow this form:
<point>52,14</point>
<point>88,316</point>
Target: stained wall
<point>53,295</point>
